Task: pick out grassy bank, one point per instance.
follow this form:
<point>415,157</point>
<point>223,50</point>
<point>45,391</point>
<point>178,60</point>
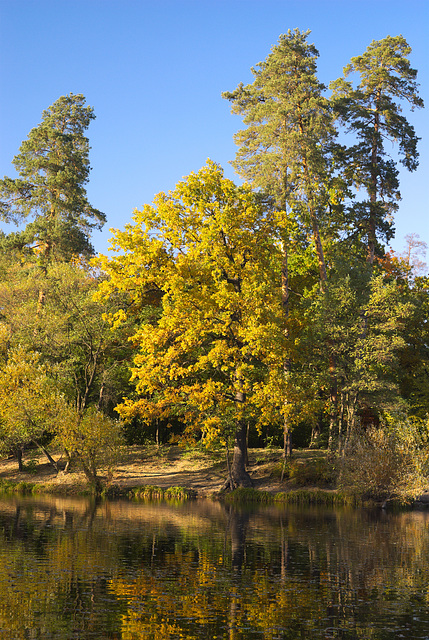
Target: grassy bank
<point>175,473</point>
<point>149,471</point>
<point>304,496</point>
<point>145,492</point>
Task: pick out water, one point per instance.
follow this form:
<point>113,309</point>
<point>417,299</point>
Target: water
<point>73,569</point>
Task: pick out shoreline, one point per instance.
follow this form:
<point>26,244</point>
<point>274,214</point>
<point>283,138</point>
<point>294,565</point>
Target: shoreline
<point>171,472</point>
<point>143,470</point>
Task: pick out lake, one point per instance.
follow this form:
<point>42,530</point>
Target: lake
<point>77,569</point>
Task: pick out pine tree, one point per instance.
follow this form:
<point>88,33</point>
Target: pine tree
<point>53,168</point>
<point>372,112</point>
<point>285,149</point>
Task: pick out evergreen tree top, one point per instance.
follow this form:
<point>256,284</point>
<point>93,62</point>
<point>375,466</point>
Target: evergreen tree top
<point>53,167</point>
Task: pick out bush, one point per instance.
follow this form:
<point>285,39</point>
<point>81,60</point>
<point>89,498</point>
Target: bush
<point>389,462</point>
<point>314,471</point>
<point>316,496</point>
<point>149,492</point>
<point>30,467</point>
<point>94,439</point>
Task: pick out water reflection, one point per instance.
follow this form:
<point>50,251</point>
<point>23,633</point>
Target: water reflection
<point>75,569</point>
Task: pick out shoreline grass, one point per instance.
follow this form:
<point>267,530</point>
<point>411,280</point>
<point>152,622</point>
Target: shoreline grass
<point>38,488</point>
<point>310,479</point>
<point>141,492</point>
<point>240,496</point>
<point>149,492</point>
<point>301,496</point>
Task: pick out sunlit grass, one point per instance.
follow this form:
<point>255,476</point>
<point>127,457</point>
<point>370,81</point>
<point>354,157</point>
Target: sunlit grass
<point>149,492</point>
<point>296,496</point>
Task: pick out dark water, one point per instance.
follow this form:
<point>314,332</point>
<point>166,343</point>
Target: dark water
<point>121,570</point>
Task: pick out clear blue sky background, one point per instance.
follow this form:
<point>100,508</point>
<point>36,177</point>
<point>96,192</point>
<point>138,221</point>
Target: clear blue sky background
<point>154,71</point>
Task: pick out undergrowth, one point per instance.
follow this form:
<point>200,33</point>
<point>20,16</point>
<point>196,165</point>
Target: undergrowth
<point>296,496</point>
<point>38,488</point>
<point>149,492</point>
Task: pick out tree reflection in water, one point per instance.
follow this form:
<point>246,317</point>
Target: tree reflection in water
<point>121,570</point>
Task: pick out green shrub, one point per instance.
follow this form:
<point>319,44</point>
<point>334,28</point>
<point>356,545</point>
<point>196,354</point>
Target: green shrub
<point>318,496</point>
<point>149,492</point>
<point>247,494</point>
<point>23,488</point>
<point>179,493</point>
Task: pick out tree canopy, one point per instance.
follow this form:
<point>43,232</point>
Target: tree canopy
<point>208,249</point>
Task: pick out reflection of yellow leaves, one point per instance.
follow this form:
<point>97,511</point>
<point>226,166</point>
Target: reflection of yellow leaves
<point>192,581</point>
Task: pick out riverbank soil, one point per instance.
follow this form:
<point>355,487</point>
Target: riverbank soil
<point>166,466</point>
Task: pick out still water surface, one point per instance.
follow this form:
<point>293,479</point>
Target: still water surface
<point>74,569</point>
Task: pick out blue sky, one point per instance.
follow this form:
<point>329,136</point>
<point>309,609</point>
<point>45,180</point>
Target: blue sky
<point>154,71</point>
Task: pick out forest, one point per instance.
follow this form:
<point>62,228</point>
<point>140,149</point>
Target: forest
<point>228,315</point>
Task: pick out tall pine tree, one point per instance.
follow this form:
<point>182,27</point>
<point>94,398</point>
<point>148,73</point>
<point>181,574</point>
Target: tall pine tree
<point>372,111</point>
<point>285,149</point>
<point>53,168</point>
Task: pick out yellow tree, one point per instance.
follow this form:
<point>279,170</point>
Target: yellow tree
<point>93,439</point>
<point>33,411</point>
<point>204,255</point>
<point>30,403</point>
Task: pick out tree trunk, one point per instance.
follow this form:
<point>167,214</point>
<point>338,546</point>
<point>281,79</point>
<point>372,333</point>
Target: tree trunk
<point>40,301</point>
<point>323,276</point>
<point>237,474</point>
<point>157,433</point>
<point>229,483</point>
<point>333,404</point>
<point>19,457</point>
<point>47,454</point>
<point>246,462</point>
<point>341,424</point>
<point>287,436</point>
<point>374,187</point>
<point>351,418</point>
<point>238,468</point>
<point>69,459</point>
<point>287,440</point>
<point>100,396</point>
<point>287,446</point>
<point>316,430</point>
<point>93,479</point>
